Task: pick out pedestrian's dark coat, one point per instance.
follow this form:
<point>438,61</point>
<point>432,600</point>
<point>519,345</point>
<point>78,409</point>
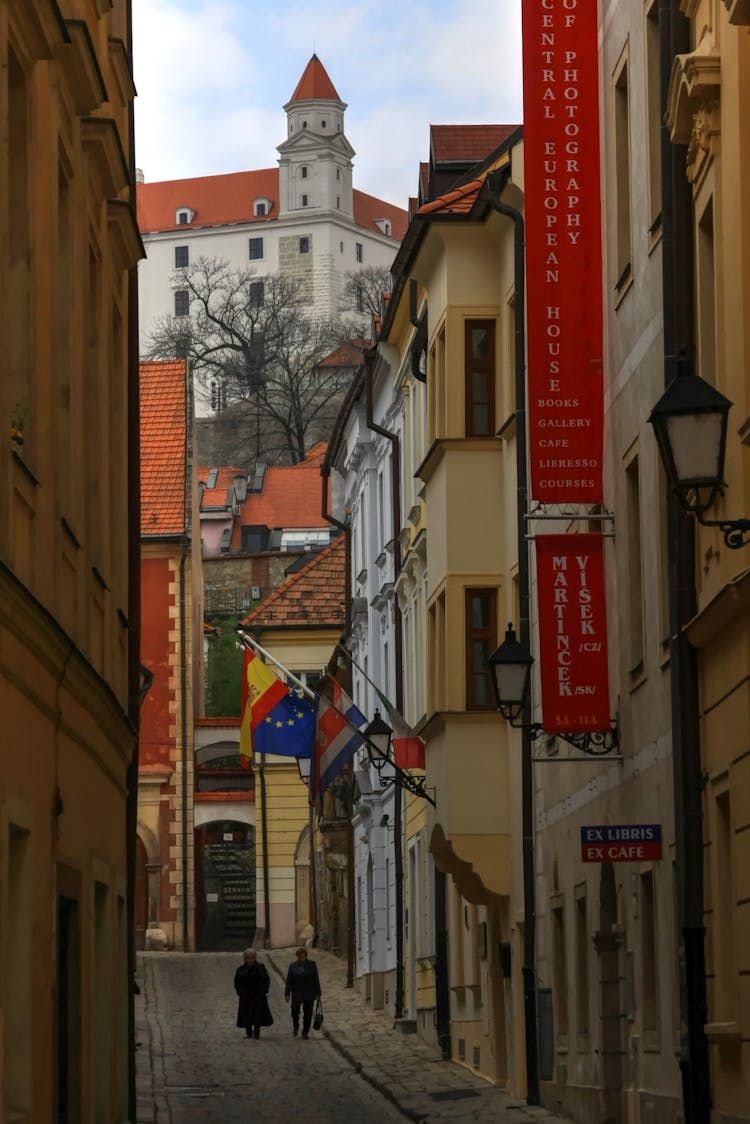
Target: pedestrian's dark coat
<point>251,982</point>
<point>302,981</point>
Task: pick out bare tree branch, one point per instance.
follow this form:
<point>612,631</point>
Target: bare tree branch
<point>253,341</point>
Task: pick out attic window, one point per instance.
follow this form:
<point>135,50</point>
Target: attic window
<point>386,227</point>
<point>260,207</point>
<point>184,216</point>
<point>213,473</point>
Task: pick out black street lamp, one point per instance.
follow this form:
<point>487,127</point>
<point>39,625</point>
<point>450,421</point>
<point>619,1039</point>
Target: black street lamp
<point>690,426</point>
<point>510,665</point>
<point>304,764</point>
<point>378,735</point>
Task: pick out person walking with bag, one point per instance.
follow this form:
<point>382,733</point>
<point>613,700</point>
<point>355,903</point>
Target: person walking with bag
<point>303,988</point>
<point>251,982</point>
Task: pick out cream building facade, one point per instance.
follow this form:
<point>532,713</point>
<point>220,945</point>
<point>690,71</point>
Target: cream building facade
<point>68,560</point>
<point>708,118</point>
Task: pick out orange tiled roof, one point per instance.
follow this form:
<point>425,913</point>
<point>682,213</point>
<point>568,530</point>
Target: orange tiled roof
<point>350,354</point>
<point>467,143</point>
<point>291,498</point>
<point>459,201</point>
<point>317,454</point>
<point>163,436</point>
<point>219,494</point>
<point>315,85</point>
<point>314,597</point>
<point>228,199</point>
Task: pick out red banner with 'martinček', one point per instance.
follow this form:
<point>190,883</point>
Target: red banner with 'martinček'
<point>572,633</point>
<point>563,249</point>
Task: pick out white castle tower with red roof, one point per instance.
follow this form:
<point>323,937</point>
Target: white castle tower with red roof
<point>303,218</point>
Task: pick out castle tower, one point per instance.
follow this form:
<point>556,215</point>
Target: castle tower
<point>315,160</point>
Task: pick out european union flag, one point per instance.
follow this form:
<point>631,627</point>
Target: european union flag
<point>287,729</point>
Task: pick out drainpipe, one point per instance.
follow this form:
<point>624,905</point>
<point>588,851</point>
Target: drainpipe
<point>264,830</point>
<point>351,916</point>
<point>677,279</point>
<point>398,866</point>
<point>184,748</point>
<point>497,181</point>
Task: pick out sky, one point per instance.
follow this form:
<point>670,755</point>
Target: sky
<point>213,76</point>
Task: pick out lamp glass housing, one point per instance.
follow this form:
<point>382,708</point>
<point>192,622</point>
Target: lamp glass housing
<point>378,734</point>
<point>304,764</point>
<point>690,426</point>
<point>511,672</point>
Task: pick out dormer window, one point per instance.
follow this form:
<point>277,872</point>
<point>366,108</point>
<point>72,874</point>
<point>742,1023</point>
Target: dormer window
<point>385,226</point>
<point>184,216</point>
<point>261,207</point>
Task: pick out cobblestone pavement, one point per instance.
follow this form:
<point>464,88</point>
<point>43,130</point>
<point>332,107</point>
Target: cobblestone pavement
<point>195,1067</point>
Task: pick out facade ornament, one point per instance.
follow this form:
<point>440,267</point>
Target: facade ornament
<point>695,81</point>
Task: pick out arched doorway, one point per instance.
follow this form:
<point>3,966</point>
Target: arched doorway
<point>225,885</point>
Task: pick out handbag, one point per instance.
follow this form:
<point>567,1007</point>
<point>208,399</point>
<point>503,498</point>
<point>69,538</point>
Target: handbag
<point>318,1016</point>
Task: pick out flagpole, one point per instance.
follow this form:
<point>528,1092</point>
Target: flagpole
<point>260,651</point>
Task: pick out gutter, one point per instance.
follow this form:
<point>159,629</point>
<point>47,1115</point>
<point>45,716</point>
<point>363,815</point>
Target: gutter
<point>398,871</point>
<point>677,297</point>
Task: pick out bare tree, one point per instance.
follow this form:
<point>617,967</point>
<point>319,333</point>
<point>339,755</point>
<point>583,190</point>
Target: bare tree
<point>253,341</point>
<point>363,293</point>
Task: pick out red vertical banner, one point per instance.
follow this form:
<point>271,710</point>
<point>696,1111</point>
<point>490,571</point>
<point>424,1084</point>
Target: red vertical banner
<point>563,249</point>
<point>572,633</point>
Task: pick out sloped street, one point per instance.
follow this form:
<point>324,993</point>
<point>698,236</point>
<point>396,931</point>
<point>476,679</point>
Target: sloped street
<point>196,1067</point>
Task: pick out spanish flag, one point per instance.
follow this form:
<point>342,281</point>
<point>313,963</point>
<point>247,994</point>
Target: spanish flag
<point>273,719</point>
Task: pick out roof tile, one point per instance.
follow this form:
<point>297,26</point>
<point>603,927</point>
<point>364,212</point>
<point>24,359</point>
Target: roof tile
<point>228,199</point>
<point>163,414</point>
<point>315,85</point>
<point>313,597</point>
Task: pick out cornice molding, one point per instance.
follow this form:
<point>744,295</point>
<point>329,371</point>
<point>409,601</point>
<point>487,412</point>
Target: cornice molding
<point>101,140</point>
<point>124,234</point>
<point>78,61</point>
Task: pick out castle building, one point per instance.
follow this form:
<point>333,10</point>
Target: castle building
<point>302,219</point>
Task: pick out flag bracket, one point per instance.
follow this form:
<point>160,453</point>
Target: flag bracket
<point>396,775</point>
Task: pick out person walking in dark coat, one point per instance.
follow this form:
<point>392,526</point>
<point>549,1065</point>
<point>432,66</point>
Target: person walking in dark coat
<point>303,988</point>
<point>251,982</point>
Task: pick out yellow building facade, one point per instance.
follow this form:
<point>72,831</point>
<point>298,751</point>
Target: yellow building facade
<point>68,559</point>
<point>709,113</point>
<point>465,904</point>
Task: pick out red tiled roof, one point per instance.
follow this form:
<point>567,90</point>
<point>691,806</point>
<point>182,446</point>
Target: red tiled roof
<point>216,200</point>
<point>317,454</point>
<point>228,199</point>
<point>314,596</point>
<point>459,201</point>
<point>368,208</point>
<point>163,437</point>
<point>315,85</point>
<point>217,496</point>
<point>291,498</point>
<point>467,143</point>
<point>350,354</point>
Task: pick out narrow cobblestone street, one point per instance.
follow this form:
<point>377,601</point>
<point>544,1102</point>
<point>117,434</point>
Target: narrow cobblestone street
<point>195,1067</point>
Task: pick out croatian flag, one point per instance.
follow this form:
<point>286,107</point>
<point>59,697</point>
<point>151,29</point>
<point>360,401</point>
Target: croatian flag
<point>338,738</point>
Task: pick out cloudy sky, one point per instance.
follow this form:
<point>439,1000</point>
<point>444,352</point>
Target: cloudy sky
<point>213,75</point>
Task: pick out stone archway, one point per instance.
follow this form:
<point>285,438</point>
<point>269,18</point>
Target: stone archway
<point>148,882</point>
